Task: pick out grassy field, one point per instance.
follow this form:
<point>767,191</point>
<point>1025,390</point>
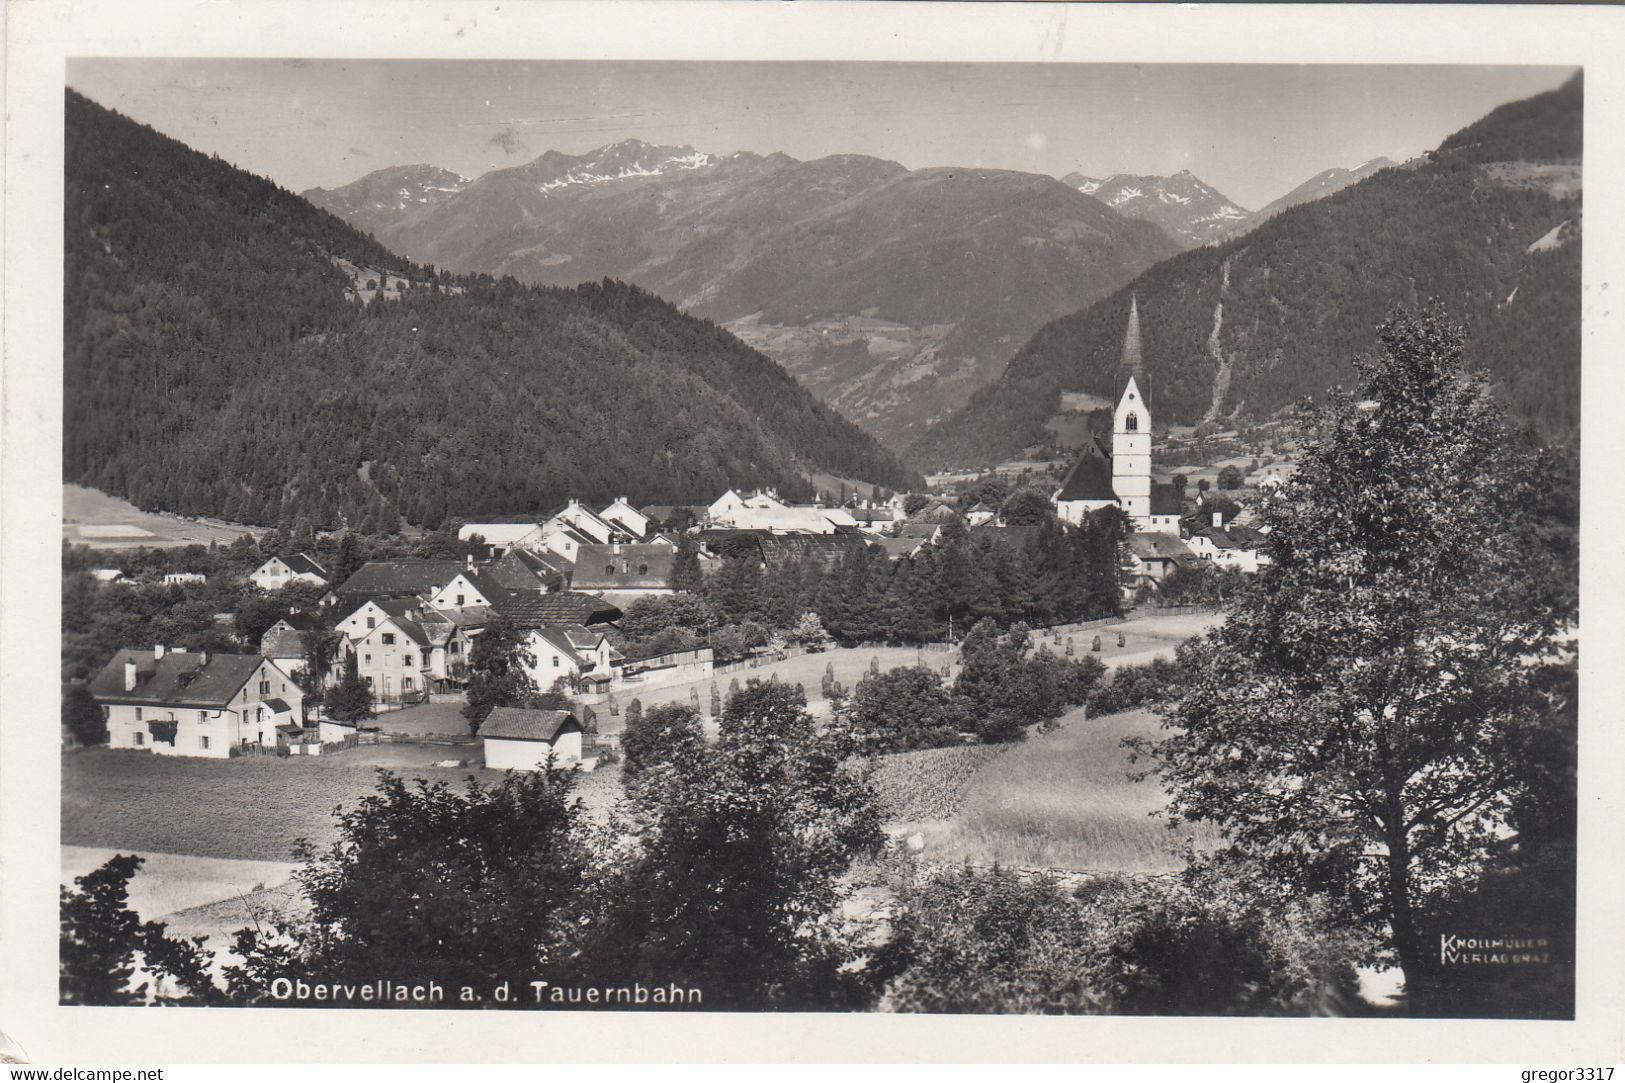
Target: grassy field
<point>100,521</point>
<point>1063,799</point>
<point>253,808</point>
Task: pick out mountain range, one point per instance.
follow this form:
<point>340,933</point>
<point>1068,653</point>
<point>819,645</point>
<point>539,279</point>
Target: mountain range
<point>892,293</point>
<point>1489,224</point>
<point>231,350</point>
<point>1194,214</point>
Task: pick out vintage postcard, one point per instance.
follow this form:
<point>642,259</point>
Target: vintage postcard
<point>732,524</point>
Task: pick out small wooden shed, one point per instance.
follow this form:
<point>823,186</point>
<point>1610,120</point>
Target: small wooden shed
<point>521,739</point>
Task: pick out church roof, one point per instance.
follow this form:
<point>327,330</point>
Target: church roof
<point>1090,477</point>
<point>1165,498</point>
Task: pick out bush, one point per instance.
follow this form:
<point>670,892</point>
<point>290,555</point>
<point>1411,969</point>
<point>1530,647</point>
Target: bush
<point>907,708</point>
<point>1150,685</point>
<point>658,736</point>
<point>973,942</point>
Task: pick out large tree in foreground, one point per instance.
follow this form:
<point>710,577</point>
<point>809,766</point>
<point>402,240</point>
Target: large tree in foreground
<point>1355,726</point>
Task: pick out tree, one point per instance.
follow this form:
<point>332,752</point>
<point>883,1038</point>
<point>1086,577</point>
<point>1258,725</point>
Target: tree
<point>1355,726</point>
<point>350,699</point>
<point>737,876</point>
<point>498,665</point>
<point>914,503</point>
<point>1230,477</point>
<point>109,956</point>
<point>685,568</point>
<point>907,708</point>
<point>659,735</point>
<point>82,719</point>
<point>320,649</point>
<point>1026,507</point>
<point>427,883</point>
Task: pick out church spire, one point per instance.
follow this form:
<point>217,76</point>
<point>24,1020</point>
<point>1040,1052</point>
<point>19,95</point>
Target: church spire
<point>1131,340</point>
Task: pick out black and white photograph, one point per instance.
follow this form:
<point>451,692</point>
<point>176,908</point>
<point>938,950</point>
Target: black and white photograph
<point>655,535</point>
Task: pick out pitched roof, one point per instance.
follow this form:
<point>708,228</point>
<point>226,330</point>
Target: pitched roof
<point>497,533</point>
<point>526,724</point>
<point>623,567</point>
<point>520,569</point>
<point>1019,534</point>
<point>282,640</point>
<point>919,530</point>
<point>304,565</point>
<point>560,607</point>
<point>397,578</point>
<point>1090,477</point>
<point>1165,498</point>
<point>179,678</point>
<point>1153,546</point>
<point>898,548</point>
<point>576,641</point>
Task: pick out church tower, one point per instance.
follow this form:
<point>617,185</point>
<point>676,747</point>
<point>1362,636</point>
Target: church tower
<point>1131,431</point>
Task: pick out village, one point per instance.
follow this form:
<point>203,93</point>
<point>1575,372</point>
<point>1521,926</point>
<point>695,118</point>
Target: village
<point>406,629</point>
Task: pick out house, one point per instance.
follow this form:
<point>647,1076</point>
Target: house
<point>627,518</point>
<point>180,703</point>
<point>579,518</point>
<point>580,655</point>
<point>503,537</point>
<point>1233,546</point>
<point>396,579</point>
<point>521,739</point>
<point>782,519</point>
<point>522,570</point>
<point>184,579</point>
<point>901,548</point>
<point>284,642</point>
<point>1272,476</point>
<point>874,520</point>
<point>935,512</point>
<point>565,541</point>
<point>732,501</point>
<point>468,588</point>
<point>624,573</point>
<point>980,514</point>
<point>278,572</point>
<point>528,610</point>
<point>107,575</point>
<point>1149,557</point>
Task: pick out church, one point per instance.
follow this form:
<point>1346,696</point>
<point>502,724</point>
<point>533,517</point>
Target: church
<point>1120,476</point>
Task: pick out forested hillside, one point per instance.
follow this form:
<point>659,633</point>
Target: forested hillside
<point>1489,224</point>
<point>891,293</point>
<point>213,365</point>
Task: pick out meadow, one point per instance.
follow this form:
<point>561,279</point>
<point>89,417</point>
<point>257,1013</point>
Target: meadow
<point>1064,799</point>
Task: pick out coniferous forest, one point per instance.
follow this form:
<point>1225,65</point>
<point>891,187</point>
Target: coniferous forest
<point>218,361</point>
<point>1489,224</point>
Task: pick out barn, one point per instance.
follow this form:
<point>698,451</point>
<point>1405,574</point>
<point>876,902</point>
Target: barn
<point>521,739</point>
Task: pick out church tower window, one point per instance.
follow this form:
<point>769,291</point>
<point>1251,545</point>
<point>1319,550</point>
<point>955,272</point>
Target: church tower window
<point>1132,422</point>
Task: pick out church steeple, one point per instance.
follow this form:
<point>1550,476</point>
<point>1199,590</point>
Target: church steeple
<point>1131,341</point>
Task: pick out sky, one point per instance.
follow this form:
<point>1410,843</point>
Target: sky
<point>1252,131</point>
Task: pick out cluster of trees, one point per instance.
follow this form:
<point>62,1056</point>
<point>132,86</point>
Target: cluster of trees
<point>1051,574</point>
<point>1313,279</point>
<point>1003,689</point>
<point>337,412</point>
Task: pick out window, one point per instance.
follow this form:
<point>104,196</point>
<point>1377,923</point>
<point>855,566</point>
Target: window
<point>265,687</point>
<point>555,661</point>
<point>140,739</point>
<point>203,716</point>
<point>459,599</point>
<point>454,648</point>
<point>406,662</point>
<point>372,622</point>
<point>369,682</point>
<point>367,658</point>
<point>406,684</point>
<point>609,569</point>
<point>138,714</point>
<point>1132,423</point>
<point>389,639</point>
<point>203,742</point>
<point>643,569</point>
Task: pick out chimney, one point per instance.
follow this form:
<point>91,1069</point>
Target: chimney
<point>1218,518</point>
<point>471,562</point>
<point>129,676</point>
<point>157,652</point>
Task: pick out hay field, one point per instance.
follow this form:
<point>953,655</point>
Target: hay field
<point>1064,800</point>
